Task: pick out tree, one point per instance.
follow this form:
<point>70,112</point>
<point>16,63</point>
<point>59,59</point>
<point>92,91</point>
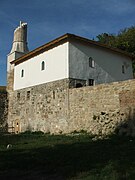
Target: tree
<point>108,39</point>
<point>126,40</point>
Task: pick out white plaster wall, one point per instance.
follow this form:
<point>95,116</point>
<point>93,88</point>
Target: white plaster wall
<point>108,64</point>
<point>56,61</point>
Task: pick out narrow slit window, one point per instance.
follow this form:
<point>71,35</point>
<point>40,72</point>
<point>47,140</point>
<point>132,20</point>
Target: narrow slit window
<point>123,69</point>
<point>53,94</point>
<point>91,62</point>
<point>22,73</point>
<point>42,66</point>
<point>28,94</point>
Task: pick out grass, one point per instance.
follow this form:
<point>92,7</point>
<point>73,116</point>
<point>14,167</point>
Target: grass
<point>38,156</point>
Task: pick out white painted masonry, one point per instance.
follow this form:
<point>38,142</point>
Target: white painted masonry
<point>56,68</point>
<point>71,60</point>
<point>108,64</point>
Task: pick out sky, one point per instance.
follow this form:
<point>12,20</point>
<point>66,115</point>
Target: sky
<point>49,19</point>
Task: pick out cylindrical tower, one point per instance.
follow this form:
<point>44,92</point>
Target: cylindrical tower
<point>19,48</point>
<point>20,39</point>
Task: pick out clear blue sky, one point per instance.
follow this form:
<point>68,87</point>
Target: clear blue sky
<point>48,19</point>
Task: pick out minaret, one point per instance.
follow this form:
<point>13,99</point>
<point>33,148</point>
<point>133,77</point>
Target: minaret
<point>19,48</point>
<point>20,39</point>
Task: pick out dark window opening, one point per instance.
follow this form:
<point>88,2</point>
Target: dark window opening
<point>53,94</point>
<point>28,94</point>
<point>18,96</point>
<point>123,69</point>
<point>91,82</point>
<point>43,65</point>
<point>22,73</point>
<point>78,85</point>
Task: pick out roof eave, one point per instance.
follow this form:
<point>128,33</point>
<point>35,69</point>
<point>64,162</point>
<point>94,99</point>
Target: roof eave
<point>65,38</point>
<point>40,49</point>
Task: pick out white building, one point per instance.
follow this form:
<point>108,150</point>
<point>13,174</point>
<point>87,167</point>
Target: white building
<point>74,57</point>
<point>39,81</point>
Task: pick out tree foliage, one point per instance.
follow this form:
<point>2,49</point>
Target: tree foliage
<point>108,39</point>
<point>126,40</point>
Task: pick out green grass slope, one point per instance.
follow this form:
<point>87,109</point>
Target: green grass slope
<point>38,156</point>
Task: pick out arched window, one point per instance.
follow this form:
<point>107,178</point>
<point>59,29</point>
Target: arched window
<point>22,73</point>
<point>91,62</point>
<point>42,66</point>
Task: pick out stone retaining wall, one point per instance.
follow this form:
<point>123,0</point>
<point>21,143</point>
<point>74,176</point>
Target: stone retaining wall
<point>3,106</point>
<point>104,109</point>
<point>55,108</point>
<point>39,108</point>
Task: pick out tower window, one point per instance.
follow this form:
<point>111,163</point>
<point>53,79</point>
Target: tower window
<point>91,82</point>
<point>42,66</point>
<point>22,73</point>
<point>91,62</point>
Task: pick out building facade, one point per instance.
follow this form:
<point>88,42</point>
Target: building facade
<point>40,82</point>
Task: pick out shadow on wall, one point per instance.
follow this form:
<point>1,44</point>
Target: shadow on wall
<point>127,126</point>
<point>3,110</point>
<point>3,128</point>
<point>120,122</point>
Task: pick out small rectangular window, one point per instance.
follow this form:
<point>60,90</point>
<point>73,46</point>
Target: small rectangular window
<point>28,94</point>
<point>53,94</point>
<point>91,62</point>
<point>123,69</point>
<point>91,82</point>
<point>18,96</point>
